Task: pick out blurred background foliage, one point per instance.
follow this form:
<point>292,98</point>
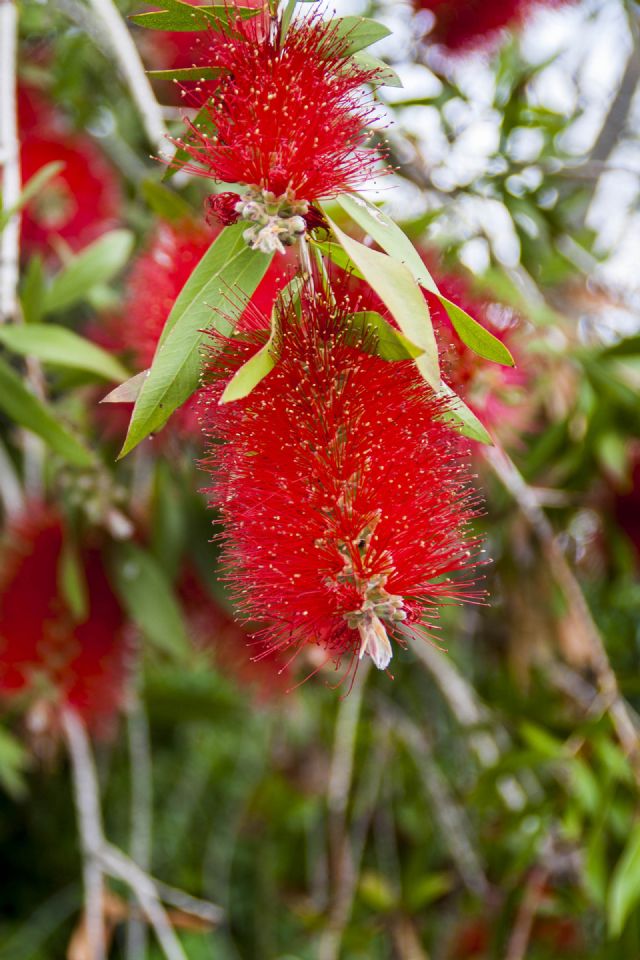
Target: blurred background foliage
<point>484,802</point>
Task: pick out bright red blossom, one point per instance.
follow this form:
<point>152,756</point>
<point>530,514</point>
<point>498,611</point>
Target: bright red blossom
<point>345,501</point>
<point>465,24</point>
<point>46,651</point>
<point>289,117</point>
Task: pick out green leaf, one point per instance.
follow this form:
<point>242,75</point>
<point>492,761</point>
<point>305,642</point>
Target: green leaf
<point>385,341</point>
<point>400,293</point>
<point>463,419</point>
<point>185,17</point>
<point>391,238</point>
<point>96,264</point>
<point>33,290</point>
<point>33,186</point>
<point>252,372</point>
<point>64,348</point>
<point>14,760</point>
<point>385,74</point>
<point>205,302</point>
<point>33,414</point>
<point>149,599</point>
<point>185,73</point>
<point>359,32</point>
<point>165,203</point>
<point>624,892</point>
<point>475,336</point>
<point>261,363</point>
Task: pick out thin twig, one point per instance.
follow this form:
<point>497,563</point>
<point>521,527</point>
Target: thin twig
<point>122,867</point>
<point>10,153</point>
<point>529,906</point>
<point>515,484</point>
<point>86,794</point>
<point>140,812</point>
<point>125,54</point>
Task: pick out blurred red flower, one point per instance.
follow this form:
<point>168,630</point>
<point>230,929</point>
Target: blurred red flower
<point>48,652</point>
<point>344,496</point>
<point>83,200</point>
<point>466,24</point>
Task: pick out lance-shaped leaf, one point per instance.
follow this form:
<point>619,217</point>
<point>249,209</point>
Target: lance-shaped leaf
<point>185,17</point>
<point>214,296</point>
<point>391,238</point>
<point>63,348</point>
<point>17,401</point>
<point>400,293</point>
<point>97,264</point>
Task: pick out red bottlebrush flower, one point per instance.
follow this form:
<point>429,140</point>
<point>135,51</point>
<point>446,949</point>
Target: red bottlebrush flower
<point>343,496</point>
<point>45,650</point>
<point>466,24</point>
<point>289,116</point>
<point>81,203</point>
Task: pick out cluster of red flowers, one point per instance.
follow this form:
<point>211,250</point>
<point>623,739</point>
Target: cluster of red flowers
<point>287,118</point>
<point>467,24</point>
<point>344,495</point>
<point>49,653</point>
<point>83,200</point>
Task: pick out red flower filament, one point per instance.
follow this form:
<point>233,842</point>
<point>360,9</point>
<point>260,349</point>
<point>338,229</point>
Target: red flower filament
<point>344,497</point>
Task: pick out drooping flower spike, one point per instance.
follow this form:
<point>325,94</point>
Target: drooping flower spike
<point>286,120</point>
<point>473,24</point>
<point>344,496</point>
<point>49,654</point>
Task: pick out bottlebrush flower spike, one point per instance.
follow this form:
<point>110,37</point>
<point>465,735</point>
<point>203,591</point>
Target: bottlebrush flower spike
<point>345,500</point>
<point>289,119</point>
<point>45,651</point>
<point>466,24</point>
